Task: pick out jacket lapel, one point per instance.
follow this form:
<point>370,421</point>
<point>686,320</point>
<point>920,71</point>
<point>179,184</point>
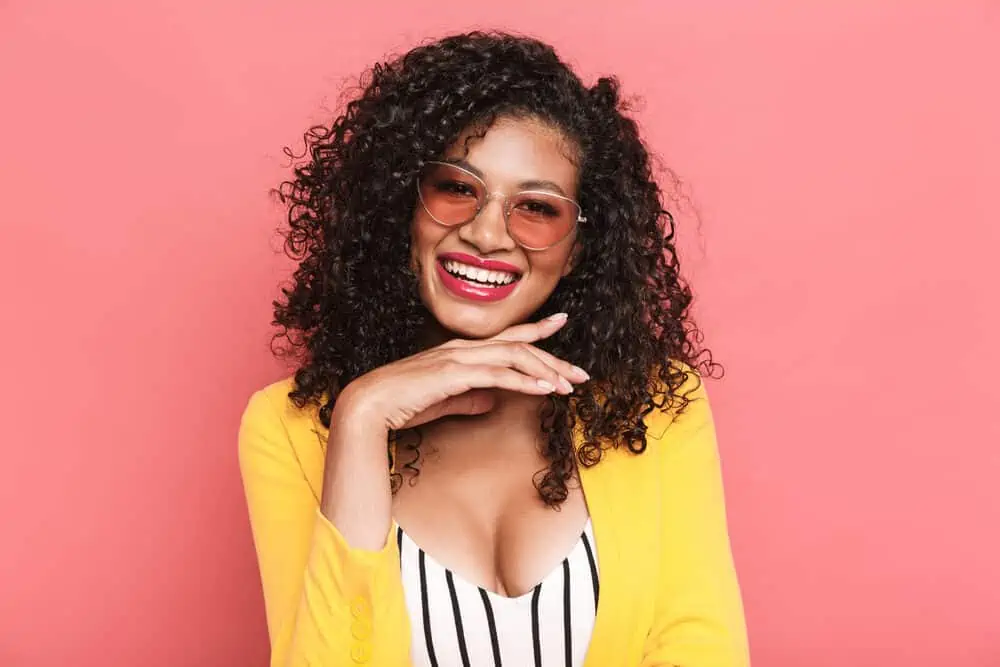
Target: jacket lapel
<point>615,500</point>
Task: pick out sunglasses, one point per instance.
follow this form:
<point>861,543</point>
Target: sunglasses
<point>535,219</point>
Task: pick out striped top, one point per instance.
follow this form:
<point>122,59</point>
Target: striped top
<point>457,623</point>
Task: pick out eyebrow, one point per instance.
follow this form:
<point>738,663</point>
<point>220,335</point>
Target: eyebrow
<point>533,184</point>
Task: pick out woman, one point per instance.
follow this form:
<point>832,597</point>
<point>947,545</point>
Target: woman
<point>496,448</point>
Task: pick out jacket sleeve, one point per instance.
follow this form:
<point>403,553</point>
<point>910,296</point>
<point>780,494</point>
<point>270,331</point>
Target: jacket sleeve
<point>327,604</point>
<point>699,618</point>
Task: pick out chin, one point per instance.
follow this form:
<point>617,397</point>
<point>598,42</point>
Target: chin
<point>471,322</point>
<point>474,311</point>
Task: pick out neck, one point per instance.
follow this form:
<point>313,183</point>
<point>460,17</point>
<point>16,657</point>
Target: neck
<point>512,411</point>
<point>511,429</point>
<point>515,418</point>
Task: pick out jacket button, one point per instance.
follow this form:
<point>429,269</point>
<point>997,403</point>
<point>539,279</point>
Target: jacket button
<point>360,607</point>
<point>361,653</point>
<point>361,629</point>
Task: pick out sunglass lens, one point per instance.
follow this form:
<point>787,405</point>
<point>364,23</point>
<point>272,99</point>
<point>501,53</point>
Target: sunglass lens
<point>539,220</point>
<point>450,195</point>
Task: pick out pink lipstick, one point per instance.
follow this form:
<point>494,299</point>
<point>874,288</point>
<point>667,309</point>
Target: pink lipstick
<point>472,288</point>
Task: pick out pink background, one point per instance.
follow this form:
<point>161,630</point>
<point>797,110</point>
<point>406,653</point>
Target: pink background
<point>843,157</point>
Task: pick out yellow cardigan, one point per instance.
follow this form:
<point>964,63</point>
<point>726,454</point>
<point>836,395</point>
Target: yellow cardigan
<point>669,593</point>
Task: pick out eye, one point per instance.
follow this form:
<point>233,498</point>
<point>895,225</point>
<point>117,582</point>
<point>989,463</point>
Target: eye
<point>538,208</point>
<point>457,188</point>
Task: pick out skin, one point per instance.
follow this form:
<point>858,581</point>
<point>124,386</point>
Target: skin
<point>512,152</point>
<point>475,393</point>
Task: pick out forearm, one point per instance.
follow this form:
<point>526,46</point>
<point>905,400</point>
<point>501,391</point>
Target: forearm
<point>357,494</point>
<point>328,602</point>
<point>351,607</point>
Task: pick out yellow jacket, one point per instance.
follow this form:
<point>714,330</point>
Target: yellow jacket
<point>669,594</point>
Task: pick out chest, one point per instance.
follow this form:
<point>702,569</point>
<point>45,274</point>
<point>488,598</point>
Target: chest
<point>454,622</point>
<point>621,495</point>
<point>489,526</point>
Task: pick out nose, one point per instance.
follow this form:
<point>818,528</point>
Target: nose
<point>488,230</point>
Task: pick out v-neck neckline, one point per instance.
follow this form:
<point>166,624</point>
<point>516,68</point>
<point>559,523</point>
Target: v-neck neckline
<point>605,515</point>
<point>505,599</point>
<point>603,511</point>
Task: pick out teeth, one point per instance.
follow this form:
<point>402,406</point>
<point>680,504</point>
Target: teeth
<point>477,274</point>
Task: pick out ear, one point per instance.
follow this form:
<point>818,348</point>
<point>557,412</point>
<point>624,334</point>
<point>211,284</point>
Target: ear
<point>574,257</point>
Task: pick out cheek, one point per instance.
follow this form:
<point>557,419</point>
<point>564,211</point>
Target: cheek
<point>552,264</point>
<point>424,237</point>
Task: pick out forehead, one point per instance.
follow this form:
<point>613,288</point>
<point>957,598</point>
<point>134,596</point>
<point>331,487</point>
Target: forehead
<point>515,150</point>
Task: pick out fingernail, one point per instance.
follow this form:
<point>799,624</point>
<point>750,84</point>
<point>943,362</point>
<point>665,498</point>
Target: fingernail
<point>582,373</point>
<point>567,387</point>
<point>557,317</point>
<point>547,386</point>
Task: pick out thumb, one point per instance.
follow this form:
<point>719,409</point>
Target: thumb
<point>472,402</point>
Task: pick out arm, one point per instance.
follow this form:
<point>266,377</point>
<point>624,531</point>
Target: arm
<point>328,603</point>
<point>330,568</point>
<point>699,614</point>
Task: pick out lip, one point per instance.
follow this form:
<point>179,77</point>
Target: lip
<point>480,263</point>
<point>467,290</point>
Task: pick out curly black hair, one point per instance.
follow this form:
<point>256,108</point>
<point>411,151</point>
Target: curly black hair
<point>353,304</point>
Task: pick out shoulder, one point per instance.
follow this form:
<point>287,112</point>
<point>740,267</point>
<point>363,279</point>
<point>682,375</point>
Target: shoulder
<point>681,421</point>
<point>272,415</point>
<point>683,412</point>
<point>279,440</point>
<point>275,393</point>
<point>271,403</point>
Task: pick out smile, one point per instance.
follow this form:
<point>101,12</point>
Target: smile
<point>476,283</point>
<point>478,276</point>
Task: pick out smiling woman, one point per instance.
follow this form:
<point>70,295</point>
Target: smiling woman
<point>489,325</point>
<point>500,208</point>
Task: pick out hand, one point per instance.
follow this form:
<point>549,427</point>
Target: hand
<point>456,377</point>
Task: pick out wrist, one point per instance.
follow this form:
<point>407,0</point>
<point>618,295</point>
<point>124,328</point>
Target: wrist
<point>356,412</point>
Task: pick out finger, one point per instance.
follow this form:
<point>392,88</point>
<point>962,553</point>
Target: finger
<point>532,331</point>
<point>564,368</point>
<point>492,376</point>
<point>517,356</point>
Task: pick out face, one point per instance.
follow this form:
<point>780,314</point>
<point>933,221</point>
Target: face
<point>514,155</point>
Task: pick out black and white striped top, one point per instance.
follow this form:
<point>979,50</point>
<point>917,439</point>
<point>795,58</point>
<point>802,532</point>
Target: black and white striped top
<point>457,623</point>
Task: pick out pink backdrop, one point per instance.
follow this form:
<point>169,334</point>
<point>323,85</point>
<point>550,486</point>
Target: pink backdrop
<point>842,155</point>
